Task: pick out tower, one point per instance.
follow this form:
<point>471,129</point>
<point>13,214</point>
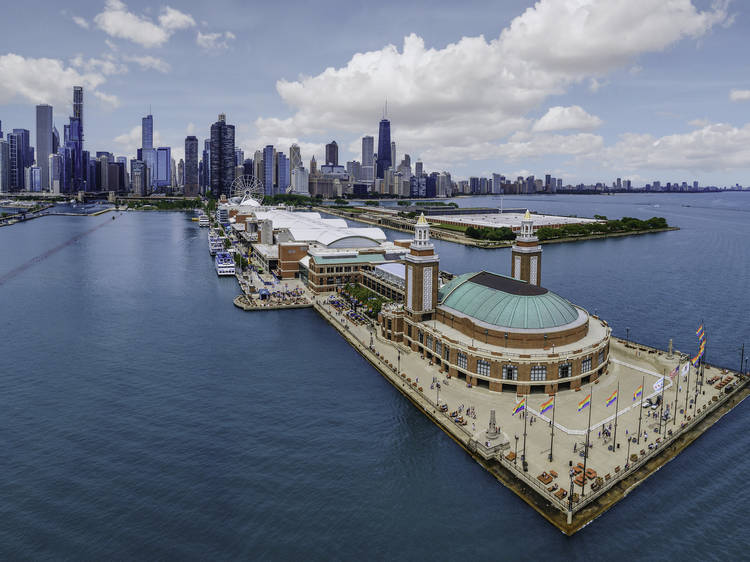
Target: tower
<point>422,268</point>
<point>384,148</point>
<point>526,254</point>
<point>332,154</point>
<point>44,141</point>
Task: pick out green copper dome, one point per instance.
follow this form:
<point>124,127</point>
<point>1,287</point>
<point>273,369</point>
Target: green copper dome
<point>506,302</point>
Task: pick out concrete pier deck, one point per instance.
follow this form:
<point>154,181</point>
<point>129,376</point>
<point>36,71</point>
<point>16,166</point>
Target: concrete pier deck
<point>616,466</point>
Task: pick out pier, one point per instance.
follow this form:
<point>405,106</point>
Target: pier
<point>621,469</point>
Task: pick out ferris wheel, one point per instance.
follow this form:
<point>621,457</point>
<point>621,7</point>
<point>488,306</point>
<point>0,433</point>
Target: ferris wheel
<point>247,190</point>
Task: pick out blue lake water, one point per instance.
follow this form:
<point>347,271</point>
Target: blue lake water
<point>144,416</point>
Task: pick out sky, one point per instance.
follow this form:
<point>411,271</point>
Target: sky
<point>587,90</point>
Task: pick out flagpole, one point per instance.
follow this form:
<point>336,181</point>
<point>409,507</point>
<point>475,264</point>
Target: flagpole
<point>586,446</point>
<point>661,409</point>
<point>617,404</point>
<point>640,411</point>
<point>687,392</point>
<point>552,433</point>
<point>676,392</point>
<point>525,421</point>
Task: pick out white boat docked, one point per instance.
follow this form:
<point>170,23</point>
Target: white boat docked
<point>203,220</point>
<point>224,264</point>
<point>215,244</point>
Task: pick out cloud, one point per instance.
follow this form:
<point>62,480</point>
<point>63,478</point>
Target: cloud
<point>148,62</point>
<point>174,20</point>
<point>699,122</point>
<point>81,22</point>
<point>116,21</point>
<point>107,65</point>
<point>190,129</point>
<point>739,95</point>
<point>596,85</point>
<point>45,80</point>
<point>560,118</point>
<point>130,141</point>
<point>478,91</point>
<point>716,146</point>
<point>110,100</point>
<point>213,41</point>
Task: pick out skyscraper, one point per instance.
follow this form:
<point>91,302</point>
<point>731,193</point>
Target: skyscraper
<point>163,167</point>
<point>368,161</point>
<point>43,142</point>
<point>282,172</point>
<point>295,157</point>
<point>384,147</point>
<point>147,132</point>
<point>332,154</point>
<point>78,105</point>
<point>74,167</point>
<point>4,166</point>
<point>21,157</point>
<point>222,157</point>
<point>269,169</point>
<point>191,166</point>
<point>393,154</point>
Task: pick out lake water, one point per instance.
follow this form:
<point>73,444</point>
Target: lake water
<point>144,416</point>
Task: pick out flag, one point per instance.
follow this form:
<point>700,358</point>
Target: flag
<point>637,393</point>
<point>612,398</point>
<point>699,332</point>
<point>685,369</point>
<point>585,402</point>
<point>546,405</point>
<point>696,360</point>
<point>659,384</point>
<point>673,372</point>
<point>702,347</point>
<point>702,337</point>
<point>520,406</point>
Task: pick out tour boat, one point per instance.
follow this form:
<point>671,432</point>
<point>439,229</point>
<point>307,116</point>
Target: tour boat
<point>224,263</point>
<point>215,244</point>
<point>203,220</point>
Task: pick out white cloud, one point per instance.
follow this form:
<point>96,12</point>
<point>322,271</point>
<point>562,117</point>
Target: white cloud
<point>109,99</point>
<point>739,95</point>
<point>596,85</point>
<point>190,129</point>
<point>130,141</point>
<point>699,122</point>
<point>560,118</point>
<point>111,45</point>
<point>44,80</point>
<point>81,22</point>
<point>147,62</point>
<point>107,65</point>
<point>116,21</point>
<point>214,40</point>
<point>174,20</point>
<point>474,92</point>
<point>716,146</point>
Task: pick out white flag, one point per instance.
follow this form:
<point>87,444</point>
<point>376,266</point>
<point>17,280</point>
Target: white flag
<point>685,369</point>
<point>658,384</point>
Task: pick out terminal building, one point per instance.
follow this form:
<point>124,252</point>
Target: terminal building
<point>503,333</point>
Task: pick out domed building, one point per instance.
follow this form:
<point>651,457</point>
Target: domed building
<point>503,333</point>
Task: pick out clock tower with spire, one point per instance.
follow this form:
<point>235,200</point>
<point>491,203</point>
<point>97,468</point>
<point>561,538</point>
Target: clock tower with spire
<point>422,268</point>
<point>526,254</point>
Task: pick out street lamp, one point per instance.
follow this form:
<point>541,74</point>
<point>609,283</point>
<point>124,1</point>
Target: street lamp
<point>399,360</point>
<point>515,457</point>
<point>570,495</point>
<point>370,336</point>
<point>627,335</point>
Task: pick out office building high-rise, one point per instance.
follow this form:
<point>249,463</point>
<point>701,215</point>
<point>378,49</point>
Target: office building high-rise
<point>4,166</point>
<point>269,169</point>
<point>74,170</point>
<point>282,172</point>
<point>44,142</point>
<point>332,154</point>
<point>295,157</point>
<point>418,169</point>
<point>384,147</point>
<point>368,159</point>
<point>147,132</point>
<point>393,154</point>
<point>78,105</point>
<point>191,166</point>
<point>163,167</point>
<point>239,157</point>
<point>222,157</point>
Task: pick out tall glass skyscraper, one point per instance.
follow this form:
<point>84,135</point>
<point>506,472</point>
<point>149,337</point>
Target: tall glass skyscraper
<point>269,169</point>
<point>222,157</point>
<point>384,147</point>
<point>332,154</point>
<point>73,170</point>
<point>282,172</point>
<point>43,142</point>
<point>163,167</point>
<point>191,166</point>
<point>147,132</point>
<point>368,159</point>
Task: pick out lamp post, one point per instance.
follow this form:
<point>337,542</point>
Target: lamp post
<point>627,459</point>
<point>742,356</point>
<point>515,456</point>
<point>371,337</point>
<point>627,335</point>
<point>399,360</point>
<point>570,495</point>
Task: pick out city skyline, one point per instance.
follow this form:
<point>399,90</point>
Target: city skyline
<point>644,106</point>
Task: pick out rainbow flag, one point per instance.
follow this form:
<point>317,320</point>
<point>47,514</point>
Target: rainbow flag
<point>696,360</point>
<point>585,402</point>
<point>612,398</point>
<point>700,332</point>
<point>637,393</point>
<point>546,405</point>
<point>520,406</point>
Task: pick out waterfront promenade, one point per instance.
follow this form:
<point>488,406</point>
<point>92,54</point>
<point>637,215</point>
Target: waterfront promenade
<point>644,438</point>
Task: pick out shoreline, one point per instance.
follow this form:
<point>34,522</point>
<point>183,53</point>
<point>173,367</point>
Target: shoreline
<point>458,238</point>
<point>591,507</point>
